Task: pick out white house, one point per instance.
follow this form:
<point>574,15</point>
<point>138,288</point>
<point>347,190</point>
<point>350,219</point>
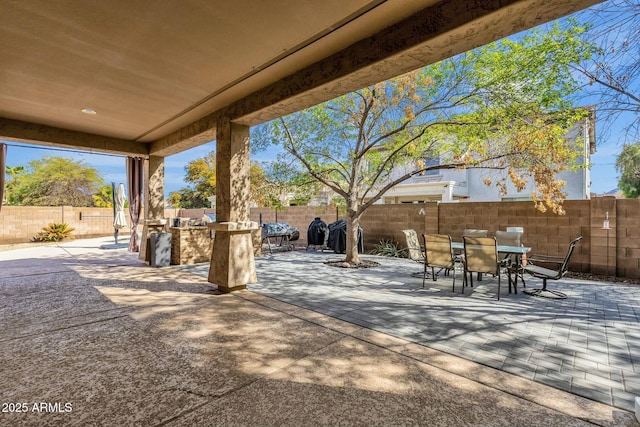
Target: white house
<point>468,185</point>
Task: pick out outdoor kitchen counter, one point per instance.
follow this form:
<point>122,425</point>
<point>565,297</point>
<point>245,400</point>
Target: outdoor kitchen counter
<point>191,244</point>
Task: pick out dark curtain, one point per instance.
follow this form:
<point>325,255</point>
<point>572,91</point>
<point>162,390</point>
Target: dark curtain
<point>134,183</point>
<point>3,163</point>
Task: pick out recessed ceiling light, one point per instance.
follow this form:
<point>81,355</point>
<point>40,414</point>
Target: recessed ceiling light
<point>88,111</point>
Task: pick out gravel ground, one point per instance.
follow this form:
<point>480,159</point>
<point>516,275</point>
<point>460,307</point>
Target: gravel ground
<point>602,278</point>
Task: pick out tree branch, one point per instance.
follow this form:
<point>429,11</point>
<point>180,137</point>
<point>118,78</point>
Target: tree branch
<point>596,79</point>
<point>317,175</point>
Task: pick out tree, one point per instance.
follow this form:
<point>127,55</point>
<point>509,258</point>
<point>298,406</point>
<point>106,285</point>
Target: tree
<point>104,197</point>
<point>281,181</point>
<point>187,198</point>
<point>501,106</point>
<point>16,173</point>
<point>259,185</point>
<point>628,165</point>
<point>58,181</point>
<point>201,174</point>
<point>613,73</point>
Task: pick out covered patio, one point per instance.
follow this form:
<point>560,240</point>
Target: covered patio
<point>148,82</point>
<point>127,344</point>
<point>94,335</point>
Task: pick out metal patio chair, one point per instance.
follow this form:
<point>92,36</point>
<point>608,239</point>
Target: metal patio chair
<point>481,256</point>
<point>562,264</point>
<point>438,253</point>
<point>413,249</point>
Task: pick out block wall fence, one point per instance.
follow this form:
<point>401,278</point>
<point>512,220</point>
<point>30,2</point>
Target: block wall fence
<point>611,252</point>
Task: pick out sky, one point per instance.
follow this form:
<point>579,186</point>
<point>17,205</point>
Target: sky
<point>112,167</point>
<point>604,177</point>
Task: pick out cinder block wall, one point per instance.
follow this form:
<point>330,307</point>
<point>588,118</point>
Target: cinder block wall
<point>603,242</point>
<point>95,221</point>
<point>297,216</point>
<point>627,233</point>
<point>188,213</point>
<point>614,251</point>
<point>19,224</point>
<point>546,233</point>
<point>386,222</point>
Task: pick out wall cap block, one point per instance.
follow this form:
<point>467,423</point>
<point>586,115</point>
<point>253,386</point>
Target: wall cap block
<point>234,226</point>
<point>155,222</point>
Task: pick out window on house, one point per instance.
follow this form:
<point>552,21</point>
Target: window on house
<point>429,161</point>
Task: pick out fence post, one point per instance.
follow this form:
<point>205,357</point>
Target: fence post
<point>603,253</point>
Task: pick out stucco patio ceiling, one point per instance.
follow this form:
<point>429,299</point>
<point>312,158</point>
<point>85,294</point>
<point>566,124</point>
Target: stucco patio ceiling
<point>159,73</point>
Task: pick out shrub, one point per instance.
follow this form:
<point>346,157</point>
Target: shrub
<point>388,248</point>
<point>54,232</point>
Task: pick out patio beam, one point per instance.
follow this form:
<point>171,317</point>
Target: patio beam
<point>32,133</point>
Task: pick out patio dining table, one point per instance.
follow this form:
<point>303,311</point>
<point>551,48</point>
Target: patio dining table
<point>518,251</point>
<point>515,250</point>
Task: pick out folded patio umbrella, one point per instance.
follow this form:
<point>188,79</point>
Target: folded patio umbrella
<point>120,220</point>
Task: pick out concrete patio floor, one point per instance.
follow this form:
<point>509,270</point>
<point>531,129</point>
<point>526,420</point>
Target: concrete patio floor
<point>93,336</point>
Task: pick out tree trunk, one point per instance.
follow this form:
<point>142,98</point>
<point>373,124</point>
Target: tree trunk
<point>353,223</point>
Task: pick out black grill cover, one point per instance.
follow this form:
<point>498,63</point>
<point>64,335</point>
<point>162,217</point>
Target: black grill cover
<point>318,232</point>
<point>338,237</point>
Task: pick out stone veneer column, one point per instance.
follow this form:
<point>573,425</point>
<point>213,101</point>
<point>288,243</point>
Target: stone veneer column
<point>232,262</point>
<point>153,203</point>
<point>154,188</point>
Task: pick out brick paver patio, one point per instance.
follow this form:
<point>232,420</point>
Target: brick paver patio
<point>587,344</point>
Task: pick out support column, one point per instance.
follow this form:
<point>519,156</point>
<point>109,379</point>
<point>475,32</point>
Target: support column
<point>154,188</point>
<point>154,220</point>
<point>447,192</point>
<point>232,262</point>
